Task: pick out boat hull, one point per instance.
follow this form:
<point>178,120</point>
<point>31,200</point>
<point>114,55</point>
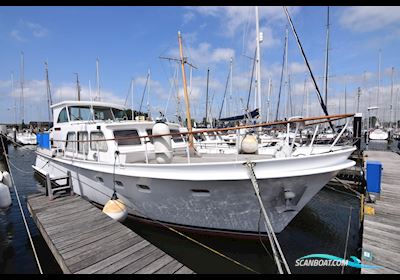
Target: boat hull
<point>227,204</point>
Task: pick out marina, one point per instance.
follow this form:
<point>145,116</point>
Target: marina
<point>270,169</point>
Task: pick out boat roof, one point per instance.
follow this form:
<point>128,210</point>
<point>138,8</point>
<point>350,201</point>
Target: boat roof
<point>86,103</point>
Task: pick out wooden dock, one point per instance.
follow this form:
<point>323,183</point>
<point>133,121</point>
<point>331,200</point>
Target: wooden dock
<point>381,235</point>
<point>84,240</point>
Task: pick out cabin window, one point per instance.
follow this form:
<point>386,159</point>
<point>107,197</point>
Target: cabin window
<point>79,113</point>
<point>119,114</point>
<point>100,145</point>
<point>63,116</point>
<point>176,138</point>
<point>102,113</point>
<point>149,132</point>
<point>132,140</point>
<point>70,145</point>
<point>83,147</point>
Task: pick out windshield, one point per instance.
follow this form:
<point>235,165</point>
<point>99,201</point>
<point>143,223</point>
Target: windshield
<point>79,113</point>
<point>83,113</point>
<point>102,113</point>
<point>119,114</point>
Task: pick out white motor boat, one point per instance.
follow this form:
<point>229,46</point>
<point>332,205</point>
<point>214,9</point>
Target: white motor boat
<point>25,137</point>
<point>378,134</point>
<point>161,181</point>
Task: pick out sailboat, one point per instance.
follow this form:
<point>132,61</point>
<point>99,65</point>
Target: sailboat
<point>379,133</point>
<point>25,137</point>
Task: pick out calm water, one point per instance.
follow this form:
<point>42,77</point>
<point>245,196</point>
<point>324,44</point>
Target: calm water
<point>321,227</point>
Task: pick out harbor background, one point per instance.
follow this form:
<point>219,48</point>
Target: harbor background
<point>321,227</point>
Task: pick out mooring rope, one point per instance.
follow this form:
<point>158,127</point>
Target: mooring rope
<point>274,241</point>
<point>20,170</point>
<point>22,211</point>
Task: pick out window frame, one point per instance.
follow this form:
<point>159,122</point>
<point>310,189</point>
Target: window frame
<point>92,142</point>
<point>81,145</point>
<point>127,144</point>
<point>71,142</point>
<point>66,111</point>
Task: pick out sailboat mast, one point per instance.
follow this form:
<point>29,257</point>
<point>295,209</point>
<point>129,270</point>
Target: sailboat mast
<point>15,98</point>
<point>132,98</point>
<point>391,99</point>
<point>49,100</point>
<point>379,81</point>
<point>22,88</point>
<point>148,96</point>
<point>230,91</point>
<point>188,117</point>
<point>208,76</point>
<point>326,60</point>
<point>98,79</point>
<point>307,101</point>
<point>258,68</point>
<point>286,75</point>
<point>268,97</point>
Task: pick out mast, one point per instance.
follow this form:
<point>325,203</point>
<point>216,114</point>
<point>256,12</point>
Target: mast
<point>320,99</point>
<point>188,117</point>
<point>15,98</point>
<point>132,98</point>
<point>208,76</point>
<point>22,88</point>
<point>78,87</point>
<point>268,97</point>
<point>49,100</point>
<point>98,79</point>
<point>282,73</point>
<point>379,81</point>
<point>307,102</point>
<point>148,97</point>
<point>258,68</point>
<point>326,60</point>
<point>391,99</point>
<point>230,91</point>
<point>286,74</point>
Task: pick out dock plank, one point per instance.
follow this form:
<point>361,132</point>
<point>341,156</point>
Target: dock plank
<point>84,240</point>
<point>381,232</point>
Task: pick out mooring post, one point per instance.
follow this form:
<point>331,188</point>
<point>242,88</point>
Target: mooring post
<point>48,187</point>
<point>357,124</point>
<point>70,183</point>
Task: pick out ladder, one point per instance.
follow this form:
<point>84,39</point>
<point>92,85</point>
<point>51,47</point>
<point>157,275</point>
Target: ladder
<point>52,186</point>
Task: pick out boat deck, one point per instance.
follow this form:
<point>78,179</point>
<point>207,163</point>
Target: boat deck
<point>206,158</point>
<point>84,240</point>
<point>381,235</point>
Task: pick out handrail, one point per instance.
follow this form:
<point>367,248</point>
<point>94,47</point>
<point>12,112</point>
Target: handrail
<point>327,119</point>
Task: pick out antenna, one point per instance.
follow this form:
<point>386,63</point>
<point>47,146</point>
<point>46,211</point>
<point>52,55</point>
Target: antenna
<point>78,87</point>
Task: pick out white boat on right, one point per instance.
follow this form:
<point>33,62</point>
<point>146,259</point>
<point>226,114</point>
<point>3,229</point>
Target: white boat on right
<point>378,134</point>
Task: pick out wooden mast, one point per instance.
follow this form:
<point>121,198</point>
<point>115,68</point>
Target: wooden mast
<point>188,118</point>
